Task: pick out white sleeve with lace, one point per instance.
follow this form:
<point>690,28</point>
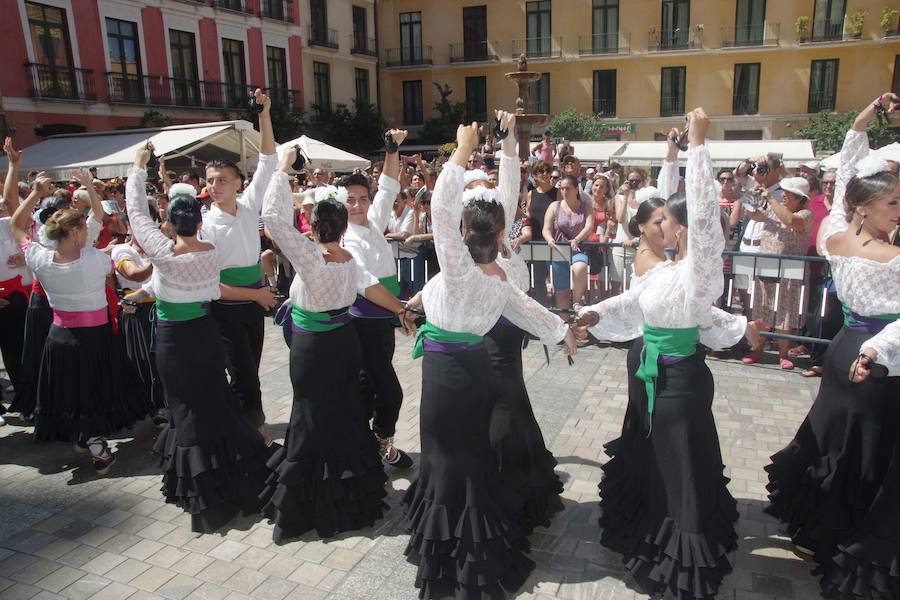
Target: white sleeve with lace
<point>143,228</point>
<point>253,195</point>
<point>621,318</point>
<point>446,215</point>
<point>508,186</point>
<point>887,344</point>
<point>526,313</point>
<point>278,214</point>
<point>855,148</point>
<point>380,210</point>
<point>703,273</point>
<point>724,330</point>
<point>667,180</point>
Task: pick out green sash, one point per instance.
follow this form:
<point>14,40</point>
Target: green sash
<point>315,321</point>
<point>241,276</point>
<point>436,334</point>
<point>850,319</point>
<point>390,282</point>
<point>670,342</point>
<point>179,311</point>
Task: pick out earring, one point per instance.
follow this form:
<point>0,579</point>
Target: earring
<point>861,223</point>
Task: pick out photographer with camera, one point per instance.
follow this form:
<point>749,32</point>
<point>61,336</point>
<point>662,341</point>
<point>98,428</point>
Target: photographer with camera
<point>626,205</point>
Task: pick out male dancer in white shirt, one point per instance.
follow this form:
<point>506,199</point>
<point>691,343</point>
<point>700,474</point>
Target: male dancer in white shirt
<point>380,388</point>
<point>232,224</point>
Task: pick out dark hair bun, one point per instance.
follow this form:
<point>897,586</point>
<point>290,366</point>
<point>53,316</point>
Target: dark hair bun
<point>329,220</point>
<point>184,213</point>
<point>483,220</point>
<point>634,228</point>
<point>51,205</point>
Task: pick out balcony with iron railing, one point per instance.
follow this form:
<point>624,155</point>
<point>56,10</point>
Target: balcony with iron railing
<point>825,30</point>
<point>750,36</point>
<point>820,101</point>
<point>745,104</point>
<point>538,47</point>
<point>408,56</point>
<point>671,106</point>
<point>276,10</point>
<point>360,44</point>
<point>668,40</point>
<point>604,43</point>
<point>473,52</point>
<point>323,38</point>
<point>604,107</point>
<point>233,5</point>
<point>53,82</point>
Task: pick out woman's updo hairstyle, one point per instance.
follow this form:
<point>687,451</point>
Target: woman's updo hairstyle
<point>51,205</point>
<point>482,221</point>
<point>329,220</point>
<point>677,205</point>
<point>61,223</point>
<point>863,190</point>
<point>644,213</point>
<point>184,214</point>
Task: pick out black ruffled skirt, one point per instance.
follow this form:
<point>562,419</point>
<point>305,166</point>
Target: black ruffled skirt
<point>38,319</point>
<point>463,536</point>
<point>137,333</point>
<point>84,388</point>
<point>329,476</point>
<point>525,464</point>
<point>664,501</point>
<point>836,486</point>
<point>214,462</point>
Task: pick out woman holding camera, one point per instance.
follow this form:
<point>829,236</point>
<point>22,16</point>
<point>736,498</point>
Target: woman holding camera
<point>787,227</point>
<point>836,486</point>
<point>626,205</point>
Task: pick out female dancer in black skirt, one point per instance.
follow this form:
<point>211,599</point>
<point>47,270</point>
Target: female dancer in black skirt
<point>329,475</point>
<point>83,390</point>
<point>836,486</point>
<point>214,462</point>
<point>525,464</point>
<point>665,502</point>
<point>463,534</point>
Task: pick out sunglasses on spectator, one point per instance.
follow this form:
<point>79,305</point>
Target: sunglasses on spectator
<point>725,178</point>
<point>554,177</point>
<point>830,183</point>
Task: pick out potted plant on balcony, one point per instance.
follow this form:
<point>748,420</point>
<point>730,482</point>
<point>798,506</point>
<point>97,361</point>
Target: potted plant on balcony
<point>801,26</point>
<point>855,21</point>
<point>888,18</point>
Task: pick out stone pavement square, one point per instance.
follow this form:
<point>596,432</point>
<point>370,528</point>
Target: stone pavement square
<point>64,533</point>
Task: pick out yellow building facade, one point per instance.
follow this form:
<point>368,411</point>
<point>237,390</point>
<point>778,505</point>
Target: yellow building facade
<point>656,58</point>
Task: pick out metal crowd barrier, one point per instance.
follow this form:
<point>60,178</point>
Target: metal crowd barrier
<point>742,264</point>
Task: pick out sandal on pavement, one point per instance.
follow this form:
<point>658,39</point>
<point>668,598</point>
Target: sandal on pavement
<point>815,371</point>
<point>785,364</point>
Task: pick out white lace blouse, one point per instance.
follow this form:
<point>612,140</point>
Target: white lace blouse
<point>865,286</point>
<point>512,264</point>
<point>462,298</point>
<point>318,285</point>
<point>678,295</point>
<point>190,277</point>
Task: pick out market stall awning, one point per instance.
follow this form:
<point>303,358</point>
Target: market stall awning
<point>112,152</point>
<point>889,152</point>
<point>323,156</point>
<point>723,153</point>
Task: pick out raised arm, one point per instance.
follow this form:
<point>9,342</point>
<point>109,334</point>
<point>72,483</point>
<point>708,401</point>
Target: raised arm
<point>20,224</point>
<point>388,184</point>
<point>508,183</point>
<point>278,216</point>
<point>268,160</point>
<point>667,180</point>
<point>87,182</point>
<point>703,276</point>
<point>11,184</point>
<point>446,207</point>
<point>143,228</point>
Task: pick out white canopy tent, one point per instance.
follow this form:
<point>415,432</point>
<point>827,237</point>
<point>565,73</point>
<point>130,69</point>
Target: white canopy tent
<point>889,152</point>
<point>112,152</point>
<point>595,152</point>
<point>323,156</point>
<point>723,153</point>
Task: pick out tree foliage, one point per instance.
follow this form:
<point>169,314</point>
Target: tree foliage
<point>828,131</point>
<point>574,125</point>
<point>358,129</point>
<point>442,128</point>
<point>154,118</point>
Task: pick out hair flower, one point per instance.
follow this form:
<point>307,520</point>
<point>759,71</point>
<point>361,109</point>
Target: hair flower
<point>871,165</point>
<point>482,193</point>
<point>330,192</point>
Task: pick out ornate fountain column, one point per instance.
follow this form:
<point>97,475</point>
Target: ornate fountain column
<point>523,78</point>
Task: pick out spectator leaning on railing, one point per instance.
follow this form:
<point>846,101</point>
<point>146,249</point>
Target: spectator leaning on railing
<point>569,220</point>
<point>787,227</point>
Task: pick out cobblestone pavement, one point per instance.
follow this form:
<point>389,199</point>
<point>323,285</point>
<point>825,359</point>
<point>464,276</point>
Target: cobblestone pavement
<point>66,534</point>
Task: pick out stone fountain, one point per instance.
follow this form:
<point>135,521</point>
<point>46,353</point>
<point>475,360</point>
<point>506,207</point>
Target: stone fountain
<point>523,78</point>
